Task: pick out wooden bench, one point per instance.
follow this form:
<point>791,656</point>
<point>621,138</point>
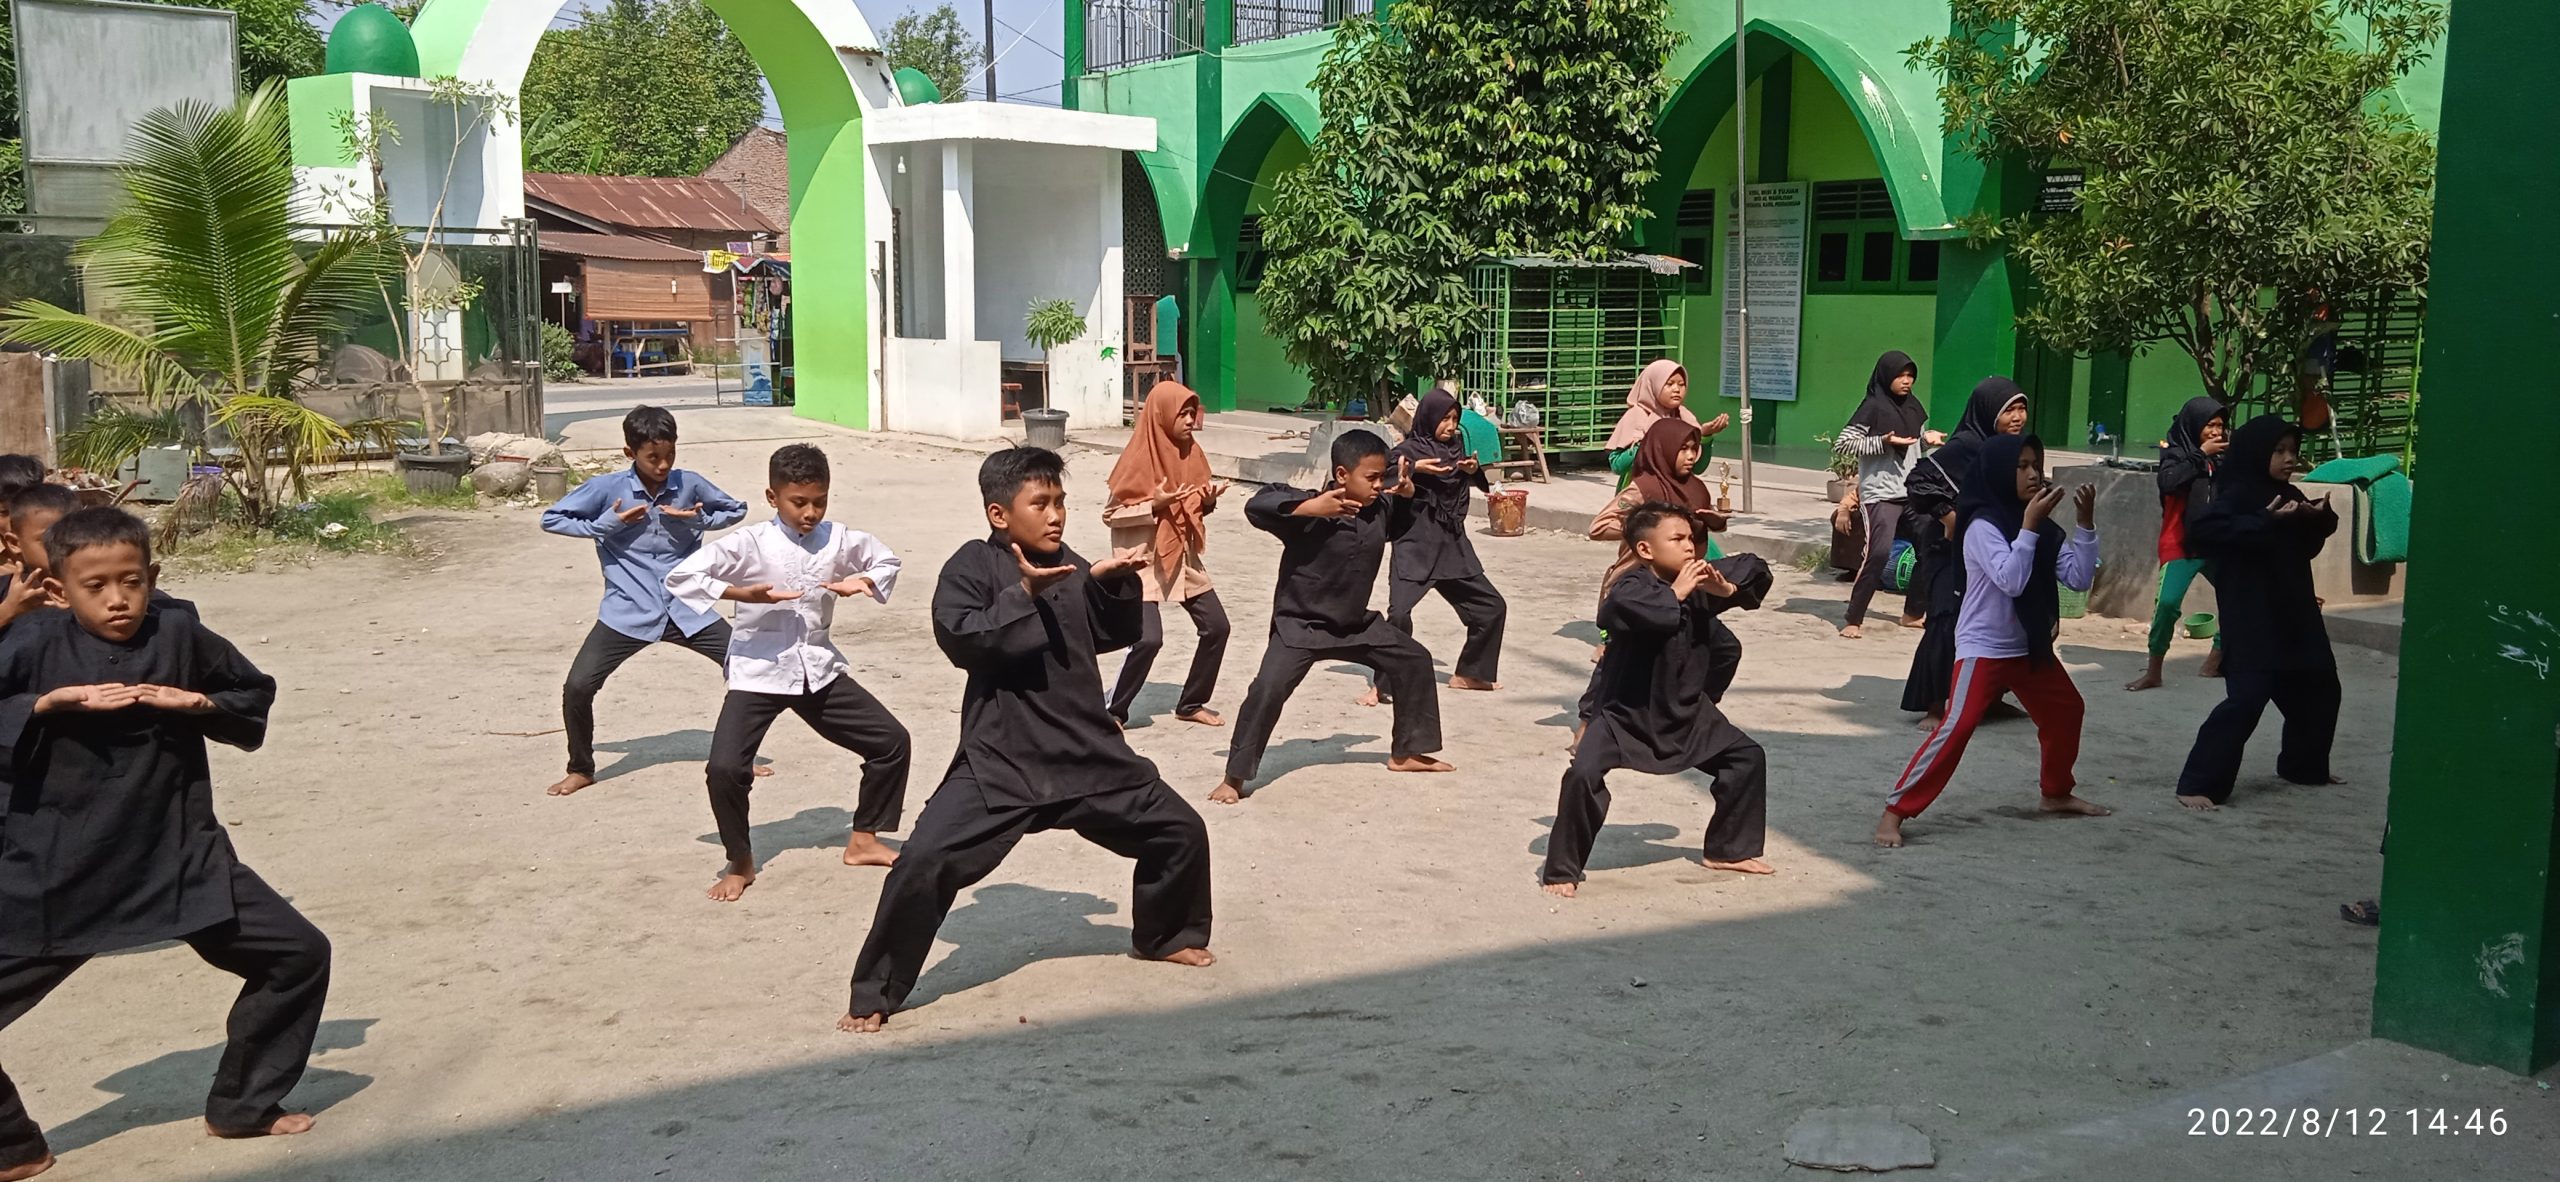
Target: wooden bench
<point>1524,456</point>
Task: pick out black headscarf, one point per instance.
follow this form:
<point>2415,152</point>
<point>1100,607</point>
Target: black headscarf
<point>1938,482</point>
<point>1444,496</point>
<point>1981,420</point>
<point>1885,412</point>
<point>2182,458</point>
<point>2241,483</point>
<point>1991,494</point>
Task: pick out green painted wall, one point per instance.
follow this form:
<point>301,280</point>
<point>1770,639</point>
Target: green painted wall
<point>1163,91</point>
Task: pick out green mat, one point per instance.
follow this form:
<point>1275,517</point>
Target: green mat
<point>2382,513</point>
<point>1481,436</point>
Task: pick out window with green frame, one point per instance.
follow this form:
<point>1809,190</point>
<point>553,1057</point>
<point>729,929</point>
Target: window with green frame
<point>1696,226</point>
<point>1249,256</point>
<point>1858,247</point>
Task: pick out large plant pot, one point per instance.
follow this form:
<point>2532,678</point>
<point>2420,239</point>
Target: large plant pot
<point>430,475</point>
<point>1835,489</point>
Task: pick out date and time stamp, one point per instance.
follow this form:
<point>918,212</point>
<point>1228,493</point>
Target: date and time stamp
<point>2346,1122</point>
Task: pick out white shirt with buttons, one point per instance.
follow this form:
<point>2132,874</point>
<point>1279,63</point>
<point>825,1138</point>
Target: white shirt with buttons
<point>783,648</point>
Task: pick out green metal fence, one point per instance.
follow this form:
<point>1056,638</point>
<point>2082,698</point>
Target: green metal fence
<point>1569,337</point>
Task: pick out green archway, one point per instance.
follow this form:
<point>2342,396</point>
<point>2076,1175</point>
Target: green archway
<point>815,82</point>
<point>1705,98</point>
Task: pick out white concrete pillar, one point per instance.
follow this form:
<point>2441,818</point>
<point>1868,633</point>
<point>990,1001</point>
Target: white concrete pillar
<point>959,244</point>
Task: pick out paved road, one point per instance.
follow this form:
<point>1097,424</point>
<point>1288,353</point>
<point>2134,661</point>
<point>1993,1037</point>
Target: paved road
<point>564,403</point>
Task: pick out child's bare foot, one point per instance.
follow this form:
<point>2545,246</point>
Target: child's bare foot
<point>27,1170</point>
<point>1469,683</point>
<point>1197,958</point>
<point>1852,632</point>
<point>1561,890</point>
<point>2150,678</point>
<point>1373,697</point>
<point>1418,763</point>
<point>1915,622</point>
<point>1228,792</point>
<point>1745,866</point>
<point>2201,804</point>
<point>570,784</point>
<point>2212,664</point>
<point>862,1024</point>
<point>2073,806</point>
<point>865,849</point>
<point>732,884</point>
<point>763,770</point>
<point>285,1125</point>
<point>1203,717</point>
<point>1889,832</point>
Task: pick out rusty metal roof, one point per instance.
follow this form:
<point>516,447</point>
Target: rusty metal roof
<point>615,246</point>
<point>649,202</point>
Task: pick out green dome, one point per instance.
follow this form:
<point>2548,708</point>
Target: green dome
<point>370,40</point>
<point>914,89</point>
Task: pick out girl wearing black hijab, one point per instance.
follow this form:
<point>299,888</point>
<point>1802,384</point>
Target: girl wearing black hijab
<point>2016,564</point>
<point>1434,553</point>
<point>1886,433</point>
<point>1997,407</point>
<point>2260,533</point>
<point>2197,439</point>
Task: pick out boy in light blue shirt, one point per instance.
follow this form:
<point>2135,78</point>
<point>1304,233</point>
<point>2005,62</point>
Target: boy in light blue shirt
<point>644,521</point>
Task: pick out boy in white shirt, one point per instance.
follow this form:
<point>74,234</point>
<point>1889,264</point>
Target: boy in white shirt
<point>786,574</point>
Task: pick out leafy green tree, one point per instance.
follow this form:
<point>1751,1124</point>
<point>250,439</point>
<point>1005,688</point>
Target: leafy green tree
<point>2246,162</point>
<point>277,40</point>
<point>218,304</point>
<point>938,45</point>
<point>1458,129</point>
<point>640,88</point>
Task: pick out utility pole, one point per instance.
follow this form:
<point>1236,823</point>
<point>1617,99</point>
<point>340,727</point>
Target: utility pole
<point>987,52</point>
<point>1742,244</point>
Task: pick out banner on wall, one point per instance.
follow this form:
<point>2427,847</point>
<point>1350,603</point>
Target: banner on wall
<point>1776,270</point>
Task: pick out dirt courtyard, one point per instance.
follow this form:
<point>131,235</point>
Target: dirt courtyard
<point>531,987</point>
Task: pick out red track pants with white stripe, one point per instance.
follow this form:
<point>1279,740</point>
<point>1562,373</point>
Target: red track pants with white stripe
<point>2052,702</point>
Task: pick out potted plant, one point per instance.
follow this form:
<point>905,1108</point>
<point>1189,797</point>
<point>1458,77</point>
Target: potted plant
<point>1844,469</point>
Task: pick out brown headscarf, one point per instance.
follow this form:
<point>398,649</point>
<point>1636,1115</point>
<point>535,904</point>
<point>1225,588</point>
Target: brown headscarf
<point>1644,404</point>
<point>1660,476</point>
<point>1153,458</point>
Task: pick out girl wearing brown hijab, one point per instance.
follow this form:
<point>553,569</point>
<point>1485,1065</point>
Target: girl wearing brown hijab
<point>1161,495</point>
<point>1660,392</point>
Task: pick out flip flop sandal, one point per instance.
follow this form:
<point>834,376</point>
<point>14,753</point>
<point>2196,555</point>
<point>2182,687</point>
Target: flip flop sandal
<point>2363,913</point>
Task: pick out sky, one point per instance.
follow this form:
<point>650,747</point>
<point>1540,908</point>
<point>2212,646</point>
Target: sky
<point>1028,35</point>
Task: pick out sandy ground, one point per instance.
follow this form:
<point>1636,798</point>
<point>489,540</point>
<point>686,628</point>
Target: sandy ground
<point>530,987</point>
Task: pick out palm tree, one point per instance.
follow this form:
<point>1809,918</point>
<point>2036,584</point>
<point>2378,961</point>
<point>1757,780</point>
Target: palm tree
<point>217,302</point>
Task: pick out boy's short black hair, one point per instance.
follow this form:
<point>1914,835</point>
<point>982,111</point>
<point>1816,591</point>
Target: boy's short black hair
<point>1005,472</point>
<point>648,424</point>
<point>34,498</point>
<point>796,463</point>
<point>98,525</point>
<point>18,472</point>
<point>1355,444</point>
<point>1643,519</point>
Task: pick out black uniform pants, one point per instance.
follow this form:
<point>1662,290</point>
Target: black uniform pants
<point>604,652</point>
<point>842,713</point>
<point>283,964</point>
<point>1885,522</point>
<point>1479,607</point>
<point>959,839</point>
<point>1207,615</point>
<point>1404,674</point>
<point>2309,699</point>
<point>1738,830</point>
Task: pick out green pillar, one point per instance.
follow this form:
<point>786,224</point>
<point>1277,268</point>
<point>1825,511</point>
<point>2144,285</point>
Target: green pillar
<point>1211,358</point>
<point>2470,956</point>
<point>1073,52</point>
<point>1977,305</point>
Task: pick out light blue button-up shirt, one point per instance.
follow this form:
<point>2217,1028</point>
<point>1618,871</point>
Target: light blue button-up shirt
<point>638,555</point>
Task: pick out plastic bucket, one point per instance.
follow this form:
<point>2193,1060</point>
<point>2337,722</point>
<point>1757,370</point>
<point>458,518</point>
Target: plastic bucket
<point>1509,512</point>
<point>550,482</point>
<point>1043,427</point>
<point>2202,626</point>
